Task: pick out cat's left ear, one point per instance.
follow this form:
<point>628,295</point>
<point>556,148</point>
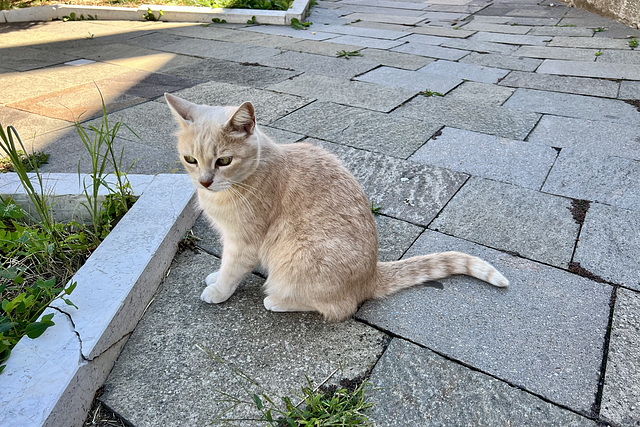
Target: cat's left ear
<point>243,120</point>
<point>183,110</point>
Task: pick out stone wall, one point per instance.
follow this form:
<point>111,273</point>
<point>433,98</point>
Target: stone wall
<point>626,11</point>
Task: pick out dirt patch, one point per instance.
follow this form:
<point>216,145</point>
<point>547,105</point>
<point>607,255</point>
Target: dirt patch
<point>576,268</point>
<point>579,210</point>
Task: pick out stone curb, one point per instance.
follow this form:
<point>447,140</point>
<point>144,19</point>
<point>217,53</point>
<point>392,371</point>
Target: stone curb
<point>170,13</point>
<point>51,381</point>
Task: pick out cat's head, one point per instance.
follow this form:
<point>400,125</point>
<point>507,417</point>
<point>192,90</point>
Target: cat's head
<point>218,146</point>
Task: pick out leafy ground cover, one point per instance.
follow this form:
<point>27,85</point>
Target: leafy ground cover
<point>236,4</point>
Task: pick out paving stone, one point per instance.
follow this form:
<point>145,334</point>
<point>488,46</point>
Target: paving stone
<point>620,56</point>
<point>497,60</point>
<point>155,40</point>
<point>602,70</point>
<point>561,31</point>
<point>441,16</point>
<point>629,90</point>
<point>416,81</point>
<point>621,392</point>
<point>516,20</point>
<point>363,32</point>
<point>319,47</point>
<point>269,106</point>
<point>28,58</point>
<point>367,42</point>
<point>394,237</point>
<point>415,386</point>
<point>479,46</point>
<point>280,30</point>
<point>550,82</point>
<point>488,156</point>
<point>443,31</point>
<point>357,94</point>
<point>580,106</point>
<point>355,127</point>
<point>393,59</point>
<point>589,42</point>
<point>498,28</point>
<point>483,118</point>
<point>318,64</point>
<point>404,190</point>
<point>570,54</point>
<point>381,26</point>
<point>28,124</point>
<point>166,374</point>
<point>387,3</point>
<point>619,31</point>
<point>606,179</point>
<point>281,136</point>
<point>480,93</point>
<point>216,32</point>
<point>464,71</point>
<point>425,39</point>
<point>609,245</point>
<point>545,333</point>
<point>515,39</point>
<point>221,50</point>
<point>597,137</point>
<point>371,9</point>
<point>511,218</point>
<point>431,51</point>
<point>392,19</point>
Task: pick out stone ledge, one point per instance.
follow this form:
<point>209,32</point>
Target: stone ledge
<point>170,13</point>
<point>51,380</point>
<point>626,11</point>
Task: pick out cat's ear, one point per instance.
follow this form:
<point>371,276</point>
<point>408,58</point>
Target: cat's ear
<point>243,120</point>
<point>183,110</point>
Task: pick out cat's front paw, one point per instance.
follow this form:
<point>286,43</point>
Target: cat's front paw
<point>213,295</point>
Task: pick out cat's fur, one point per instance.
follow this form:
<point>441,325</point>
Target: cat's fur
<point>298,213</point>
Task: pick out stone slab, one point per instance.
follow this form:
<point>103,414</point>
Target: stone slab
<point>416,81</point>
<point>545,333</point>
<point>499,28</point>
<point>621,392</point>
<point>432,30</point>
<point>363,32</point>
<point>507,62</point>
<point>165,375</point>
<point>605,179</point>
<point>385,17</point>
<point>470,44</point>
<point>29,125</point>
<point>602,70</point>
<point>561,31</point>
<point>515,39</point>
<point>471,92</point>
<point>459,70</point>
<point>431,51</point>
<point>566,84</point>
<point>511,218</point>
<point>590,42</point>
<point>319,47</point>
<point>221,50</point>
<point>626,57</point>
<point>597,137</point>
<point>281,136</point>
<point>412,385</point>
<point>609,245</point>
<point>354,93</point>
<point>629,90</point>
<point>579,106</point>
<point>319,64</point>
<point>484,118</point>
<point>290,32</point>
<point>359,128</point>
<point>424,39</point>
<point>404,190</point>
<point>367,42</point>
<point>584,56</point>
<point>27,58</point>
<point>488,156</point>
<point>393,59</point>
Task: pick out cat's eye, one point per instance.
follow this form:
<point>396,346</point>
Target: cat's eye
<point>191,160</point>
<point>223,161</point>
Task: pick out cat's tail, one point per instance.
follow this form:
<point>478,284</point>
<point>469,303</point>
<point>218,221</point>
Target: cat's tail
<point>394,276</point>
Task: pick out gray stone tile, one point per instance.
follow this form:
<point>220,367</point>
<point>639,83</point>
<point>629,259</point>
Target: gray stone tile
<point>281,136</point>
<point>585,69</point>
<point>561,31</point>
<point>394,237</point>
<point>498,28</point>
<point>609,246</point>
<point>393,59</point>
<point>563,53</point>
<point>606,179</point>
<point>221,50</point>
<point>621,392</point>
<point>480,46</point>
<point>363,32</point>
<point>319,47</point>
<point>385,17</point>
<point>432,30</point>
<point>629,90</point>
<point>415,81</point>
<point>515,39</point>
<point>318,64</point>
<point>459,70</point>
<point>356,127</point>
<point>372,9</point>
<point>619,31</point>
<point>28,58</point>
<point>516,20</point>
<point>620,56</point>
<point>580,106</point>
<point>415,386</point>
<point>488,156</point>
<point>404,190</point>
<point>589,42</point>
<point>357,94</point>
<point>597,137</point>
<point>538,226</point>
<point>450,18</point>
<point>279,30</point>
<point>269,106</point>
<point>367,42</point>
<point>424,39</point>
<point>165,375</point>
<point>550,82</point>
<point>483,118</point>
<point>28,124</point>
<point>480,93</point>
<point>545,333</point>
<point>497,60</point>
<point>431,51</point>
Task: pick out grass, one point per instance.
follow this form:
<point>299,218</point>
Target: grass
<point>237,4</point>
<point>347,54</point>
<point>36,158</point>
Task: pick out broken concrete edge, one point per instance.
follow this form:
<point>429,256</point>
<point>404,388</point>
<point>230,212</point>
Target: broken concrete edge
<point>51,380</point>
<point>160,13</point>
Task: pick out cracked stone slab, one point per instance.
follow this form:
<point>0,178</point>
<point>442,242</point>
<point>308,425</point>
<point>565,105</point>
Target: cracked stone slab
<point>621,392</point>
<point>280,30</point>
<point>480,94</point>
<point>579,106</point>
<point>476,73</point>
<point>590,42</point>
<point>483,155</point>
<point>393,59</point>
<point>431,51</point>
<point>415,81</point>
<point>511,218</point>
<point>353,93</point>
<point>316,47</point>
<point>515,39</point>
<point>319,64</point>
<point>600,138</point>
<point>501,121</point>
<point>221,50</point>
<point>363,32</point>
<point>545,333</point>
<point>480,46</point>
<point>404,190</point>
<point>609,245</point>
<point>586,56</point>
<point>567,84</point>
<point>603,70</point>
<point>356,127</point>
<point>605,179</point>
<point>415,386</point>
<point>165,375</point>
<point>367,42</point>
<point>430,30</point>
<point>497,60</point>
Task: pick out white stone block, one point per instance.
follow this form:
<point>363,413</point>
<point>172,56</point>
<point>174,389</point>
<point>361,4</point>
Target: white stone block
<point>38,13</point>
<point>102,13</point>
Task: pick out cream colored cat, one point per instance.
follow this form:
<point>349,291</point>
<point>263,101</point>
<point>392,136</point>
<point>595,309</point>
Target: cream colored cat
<point>298,213</point>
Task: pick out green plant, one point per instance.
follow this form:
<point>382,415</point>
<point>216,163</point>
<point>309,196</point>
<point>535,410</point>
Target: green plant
<point>90,36</point>
<point>252,20</point>
<point>598,30</point>
<point>428,93</point>
<point>37,157</point>
<point>251,4</point>
<point>633,43</point>
<point>297,25</point>
<point>346,54</point>
<point>375,209</point>
<point>149,16</point>
<point>5,4</point>
<point>73,17</point>
<point>218,21</point>
<point>598,53</point>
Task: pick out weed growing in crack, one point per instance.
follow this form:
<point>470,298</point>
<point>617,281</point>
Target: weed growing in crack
<point>347,54</point>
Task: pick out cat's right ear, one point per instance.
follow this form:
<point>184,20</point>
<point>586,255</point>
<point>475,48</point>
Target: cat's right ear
<point>183,110</point>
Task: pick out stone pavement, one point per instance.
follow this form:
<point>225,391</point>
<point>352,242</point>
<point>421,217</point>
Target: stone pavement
<point>528,155</point>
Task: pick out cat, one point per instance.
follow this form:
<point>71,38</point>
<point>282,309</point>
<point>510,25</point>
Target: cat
<point>294,210</point>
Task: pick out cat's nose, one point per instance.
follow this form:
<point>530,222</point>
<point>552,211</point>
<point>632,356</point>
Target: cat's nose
<point>206,183</point>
